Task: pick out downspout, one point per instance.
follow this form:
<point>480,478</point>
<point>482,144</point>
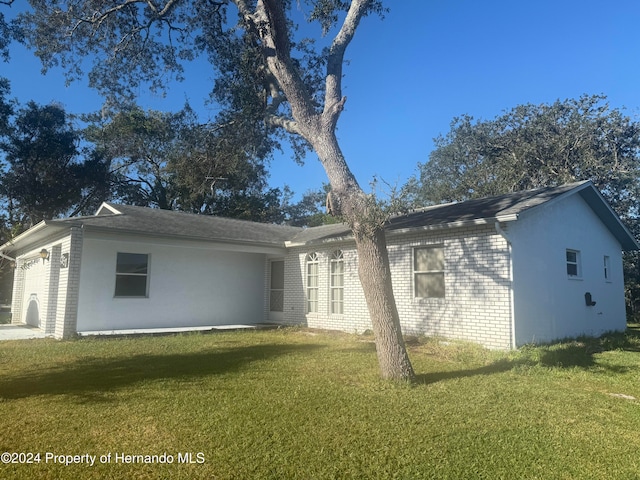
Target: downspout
<point>504,235</point>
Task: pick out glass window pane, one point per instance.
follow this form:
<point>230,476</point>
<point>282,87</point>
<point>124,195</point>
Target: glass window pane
<point>132,263</point>
<point>428,259</point>
<point>429,285</point>
<point>277,275</point>
<point>572,269</point>
<point>131,285</point>
<point>420,259</point>
<point>572,256</point>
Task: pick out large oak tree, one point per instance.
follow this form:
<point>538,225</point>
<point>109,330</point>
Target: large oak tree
<point>265,75</point>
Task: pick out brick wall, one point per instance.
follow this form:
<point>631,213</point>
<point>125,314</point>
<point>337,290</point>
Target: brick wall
<point>477,303</point>
<point>67,313</point>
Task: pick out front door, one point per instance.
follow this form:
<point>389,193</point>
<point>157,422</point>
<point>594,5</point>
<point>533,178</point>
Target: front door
<point>276,290</point>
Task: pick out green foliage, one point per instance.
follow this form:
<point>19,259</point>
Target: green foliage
<point>47,174</point>
<point>532,146</point>
<point>310,211</point>
<point>293,403</point>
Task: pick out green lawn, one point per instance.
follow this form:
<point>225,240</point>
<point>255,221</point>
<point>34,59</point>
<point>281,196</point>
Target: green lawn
<point>295,404</point>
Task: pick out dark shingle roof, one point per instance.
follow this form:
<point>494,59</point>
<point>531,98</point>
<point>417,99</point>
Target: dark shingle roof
<point>503,208</point>
<point>151,221</point>
<point>498,207</point>
<point>483,210</point>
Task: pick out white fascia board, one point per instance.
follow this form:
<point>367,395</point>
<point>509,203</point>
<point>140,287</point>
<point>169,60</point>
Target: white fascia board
<point>461,224</point>
<point>441,226</point>
<point>11,244</point>
<point>108,207</point>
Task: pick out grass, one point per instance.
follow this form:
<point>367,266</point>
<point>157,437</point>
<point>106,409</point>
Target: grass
<point>296,404</point>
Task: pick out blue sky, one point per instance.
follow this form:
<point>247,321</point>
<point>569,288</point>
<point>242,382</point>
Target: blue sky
<point>410,74</point>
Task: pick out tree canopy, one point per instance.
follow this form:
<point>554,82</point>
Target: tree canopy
<point>47,173</point>
<point>532,146</point>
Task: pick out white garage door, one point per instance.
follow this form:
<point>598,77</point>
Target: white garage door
<point>33,292</point>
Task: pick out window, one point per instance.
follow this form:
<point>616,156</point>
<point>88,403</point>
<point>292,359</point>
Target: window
<point>312,282</point>
<point>337,283</point>
<point>573,264</point>
<point>607,268</point>
<point>428,272</point>
<point>131,274</point>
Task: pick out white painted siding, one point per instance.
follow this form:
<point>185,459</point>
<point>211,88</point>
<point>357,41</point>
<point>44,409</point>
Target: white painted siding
<point>189,285</point>
<point>548,305</point>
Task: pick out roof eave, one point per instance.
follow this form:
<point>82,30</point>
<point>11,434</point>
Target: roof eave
<point>93,228</point>
<point>27,235</point>
<point>403,231</point>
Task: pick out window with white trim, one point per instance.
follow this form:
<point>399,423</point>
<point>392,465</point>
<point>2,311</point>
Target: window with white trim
<point>132,274</point>
<point>428,272</point>
<point>337,283</point>
<point>312,265</point>
<point>574,269</point>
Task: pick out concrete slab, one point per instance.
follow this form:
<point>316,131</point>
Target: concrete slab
<point>170,330</point>
<point>20,332</point>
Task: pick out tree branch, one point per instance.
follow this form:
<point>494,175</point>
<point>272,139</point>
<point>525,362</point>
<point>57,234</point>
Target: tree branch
<point>334,102</point>
<point>290,126</point>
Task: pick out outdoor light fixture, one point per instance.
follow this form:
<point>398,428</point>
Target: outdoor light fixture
<point>44,255</point>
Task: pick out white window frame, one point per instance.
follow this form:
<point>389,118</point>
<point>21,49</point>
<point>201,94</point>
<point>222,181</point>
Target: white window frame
<point>312,281</point>
<point>120,274</point>
<point>577,264</point>
<point>336,288</point>
<point>429,272</point>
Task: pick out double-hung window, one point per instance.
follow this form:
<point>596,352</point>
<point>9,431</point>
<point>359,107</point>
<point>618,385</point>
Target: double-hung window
<point>337,283</point>
<point>574,269</point>
<point>132,275</point>
<point>312,264</point>
<point>428,272</point>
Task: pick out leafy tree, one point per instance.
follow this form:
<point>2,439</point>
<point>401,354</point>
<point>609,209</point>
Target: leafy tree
<point>8,32</point>
<point>45,176</point>
<point>533,146</point>
<point>171,161</point>
<point>137,145</point>
<point>310,210</point>
<point>267,76</point>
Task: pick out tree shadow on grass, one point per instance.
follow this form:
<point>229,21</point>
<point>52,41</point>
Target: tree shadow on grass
<point>92,378</point>
<point>572,353</point>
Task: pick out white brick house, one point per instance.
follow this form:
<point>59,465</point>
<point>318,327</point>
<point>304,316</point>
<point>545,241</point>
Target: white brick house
<point>526,267</point>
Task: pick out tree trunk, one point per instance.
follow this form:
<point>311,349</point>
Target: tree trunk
<point>348,199</point>
<point>375,277</point>
<point>373,259</point>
